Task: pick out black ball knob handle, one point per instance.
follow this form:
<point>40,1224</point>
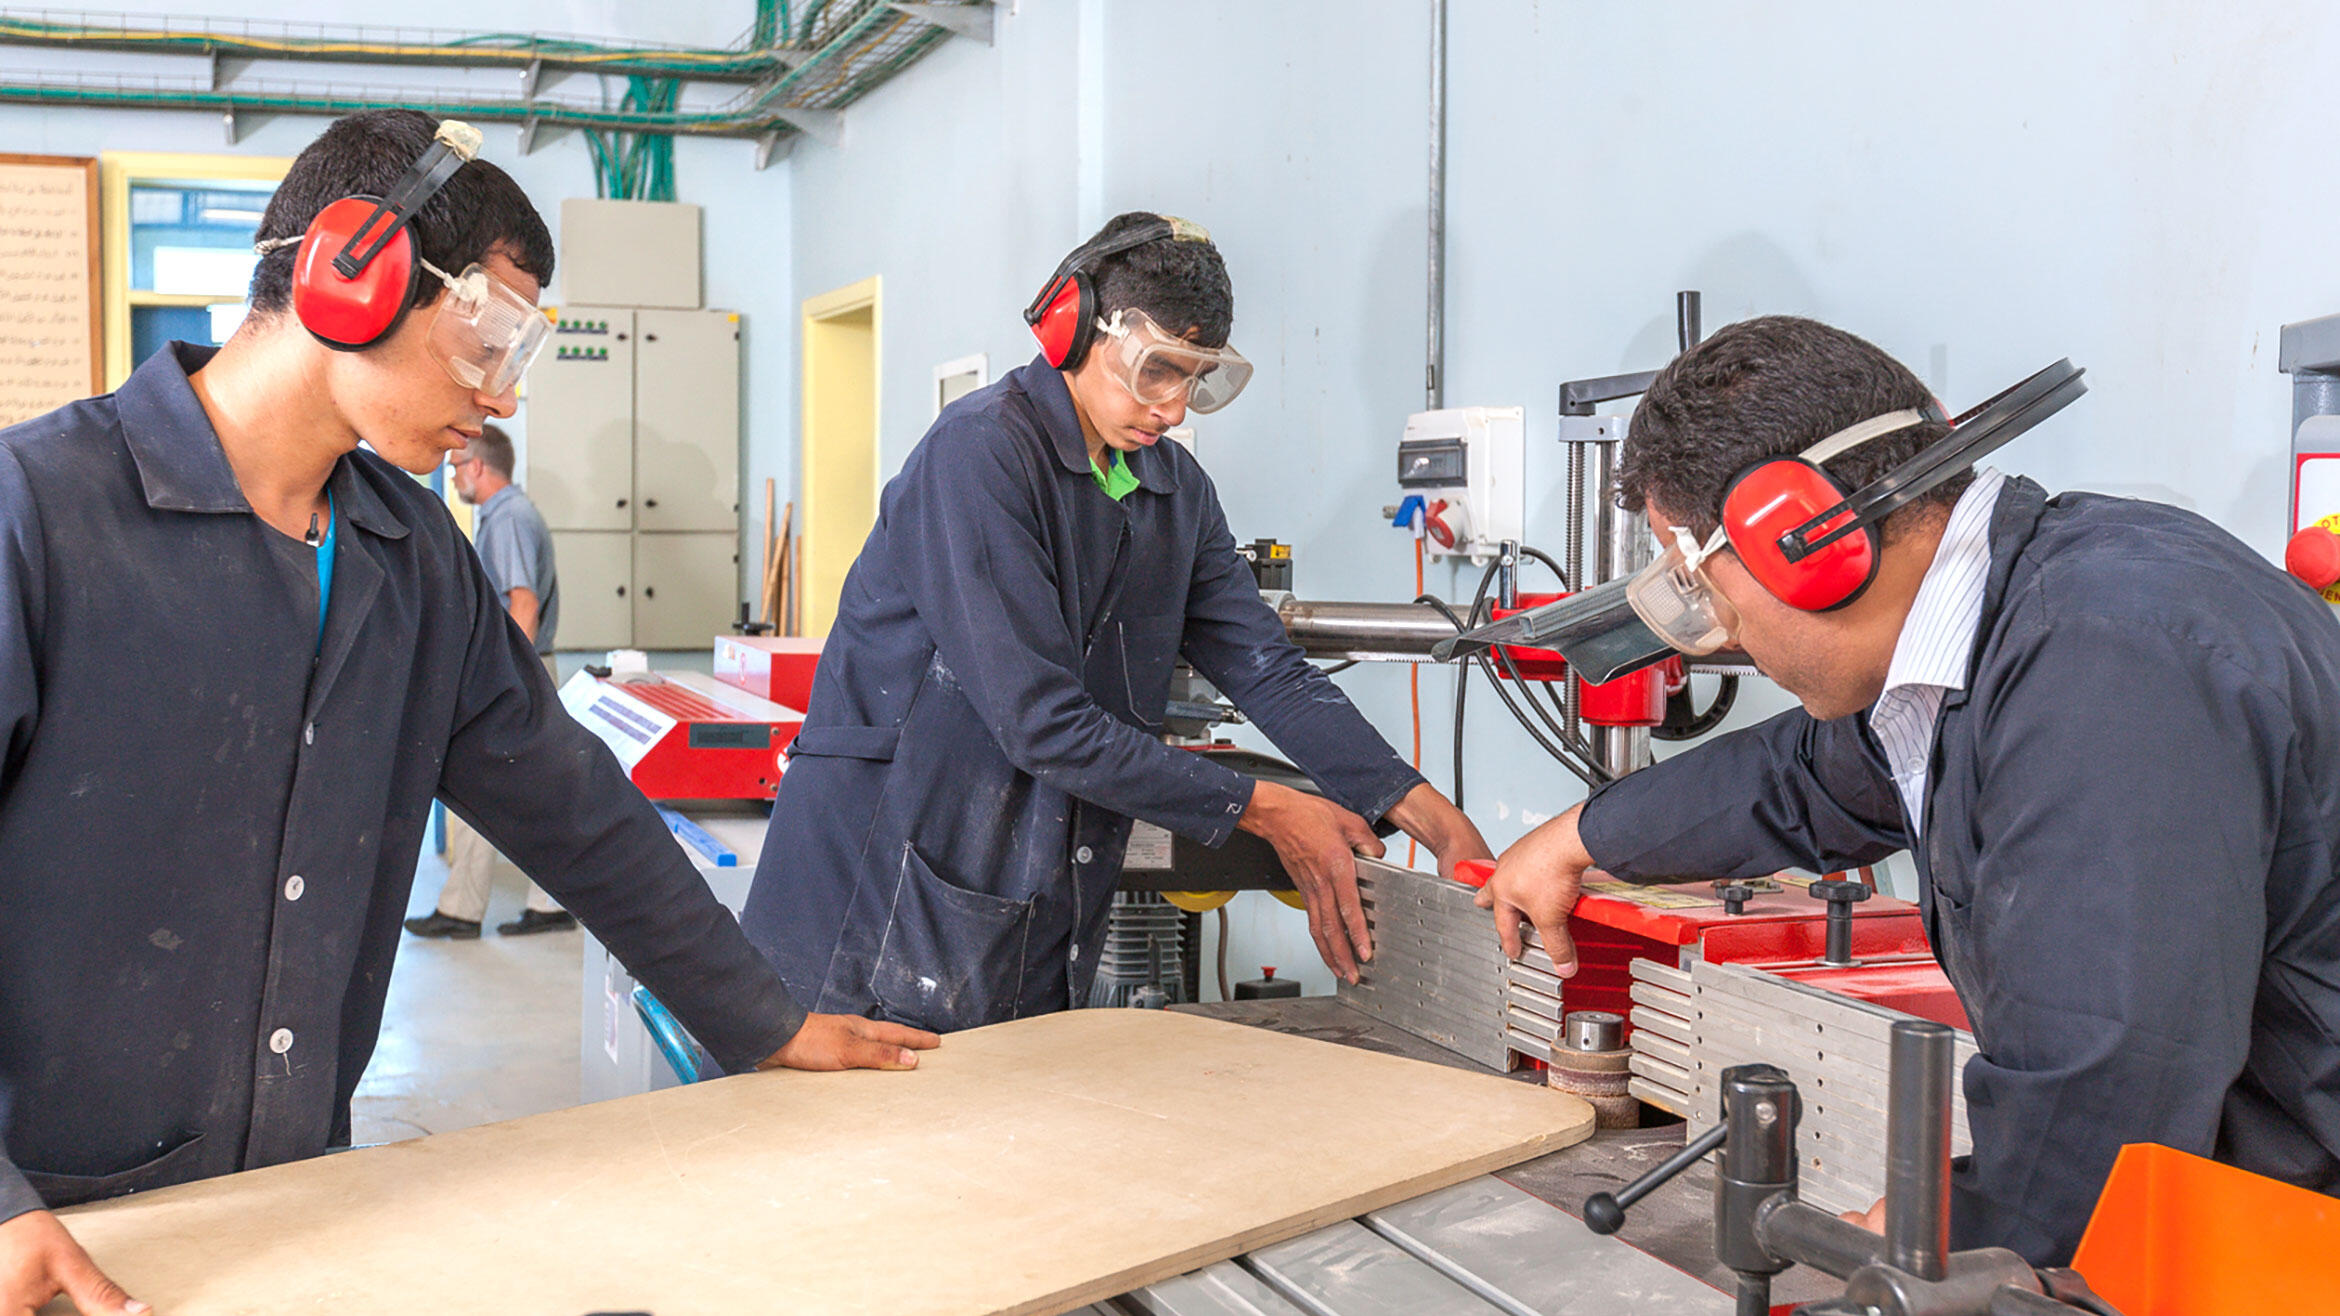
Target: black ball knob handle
<point>1602,1215</point>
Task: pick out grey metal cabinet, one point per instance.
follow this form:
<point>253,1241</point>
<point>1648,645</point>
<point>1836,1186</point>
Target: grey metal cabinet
<point>686,420</point>
<point>597,588</point>
<point>684,588</point>
<point>581,421</point>
<point>633,458</point>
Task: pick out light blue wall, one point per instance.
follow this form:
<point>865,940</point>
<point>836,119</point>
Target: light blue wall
<point>1979,187</point>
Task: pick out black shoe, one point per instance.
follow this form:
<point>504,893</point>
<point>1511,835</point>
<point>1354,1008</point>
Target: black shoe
<point>532,920</point>
<point>440,925</point>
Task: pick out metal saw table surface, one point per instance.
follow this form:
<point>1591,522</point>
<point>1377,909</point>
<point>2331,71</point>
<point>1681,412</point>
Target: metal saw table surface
<point>1511,1242</point>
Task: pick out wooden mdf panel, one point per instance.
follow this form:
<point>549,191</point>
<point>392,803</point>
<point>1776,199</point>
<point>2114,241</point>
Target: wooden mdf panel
<point>1030,1167</point>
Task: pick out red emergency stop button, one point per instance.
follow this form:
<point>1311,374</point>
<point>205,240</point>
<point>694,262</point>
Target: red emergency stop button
<point>2313,555</point>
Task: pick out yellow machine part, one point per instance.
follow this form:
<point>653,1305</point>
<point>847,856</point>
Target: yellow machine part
<point>1291,898</point>
<point>1198,902</point>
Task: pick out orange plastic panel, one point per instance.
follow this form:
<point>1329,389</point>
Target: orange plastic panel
<point>2177,1235</point>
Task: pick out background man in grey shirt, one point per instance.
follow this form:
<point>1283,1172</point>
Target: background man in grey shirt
<point>517,550</point>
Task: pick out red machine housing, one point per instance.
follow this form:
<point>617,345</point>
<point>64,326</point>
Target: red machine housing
<point>1634,700</point>
<point>775,667</point>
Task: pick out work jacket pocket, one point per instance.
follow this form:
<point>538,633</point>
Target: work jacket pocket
<point>950,958</point>
<point>875,744</point>
<point>173,1166</point>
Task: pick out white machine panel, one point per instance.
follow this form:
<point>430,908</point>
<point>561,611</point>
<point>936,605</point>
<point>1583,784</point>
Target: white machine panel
<point>581,421</point>
<point>686,420</point>
<point>1469,465</point>
<point>686,588</point>
<point>597,576</point>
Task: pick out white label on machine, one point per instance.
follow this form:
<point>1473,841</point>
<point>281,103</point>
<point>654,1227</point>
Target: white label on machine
<point>2319,491</point>
<point>1149,848</point>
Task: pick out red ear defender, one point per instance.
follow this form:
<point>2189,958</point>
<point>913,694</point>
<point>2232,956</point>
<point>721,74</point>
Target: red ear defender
<point>1065,320</point>
<point>1769,500</point>
<point>351,313</point>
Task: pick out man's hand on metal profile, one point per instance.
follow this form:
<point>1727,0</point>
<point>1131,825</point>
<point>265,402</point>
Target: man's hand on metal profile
<point>1536,882</point>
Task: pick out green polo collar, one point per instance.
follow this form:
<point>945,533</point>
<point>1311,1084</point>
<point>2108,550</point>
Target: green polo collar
<point>1116,482</point>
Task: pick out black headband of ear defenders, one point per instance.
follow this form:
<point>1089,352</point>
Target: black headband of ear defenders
<point>1601,636</point>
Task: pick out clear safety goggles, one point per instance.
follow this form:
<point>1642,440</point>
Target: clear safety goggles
<point>1158,367</point>
<point>1673,597</point>
<point>484,331</point>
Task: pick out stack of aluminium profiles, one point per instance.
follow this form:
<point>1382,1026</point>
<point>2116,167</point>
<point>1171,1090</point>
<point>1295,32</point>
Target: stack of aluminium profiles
<point>1437,971</point>
<point>1689,1025</point>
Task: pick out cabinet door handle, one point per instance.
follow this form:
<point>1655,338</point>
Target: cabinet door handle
<point>621,591</point>
<point>649,502</point>
<point>649,593</point>
<point>649,338</point>
<point>621,502</point>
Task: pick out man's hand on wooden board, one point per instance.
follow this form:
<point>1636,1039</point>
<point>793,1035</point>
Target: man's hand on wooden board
<point>848,1041</point>
<point>40,1261</point>
<point>1318,842</point>
<point>1537,880</point>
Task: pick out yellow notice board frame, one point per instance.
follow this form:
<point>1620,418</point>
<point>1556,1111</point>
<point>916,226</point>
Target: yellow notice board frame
<point>119,170</point>
<point>87,167</point>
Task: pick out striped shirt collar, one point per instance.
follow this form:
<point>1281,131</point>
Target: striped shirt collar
<point>1937,639</point>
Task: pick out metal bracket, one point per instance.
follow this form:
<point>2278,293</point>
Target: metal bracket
<point>535,134</point>
<point>226,69</point>
<point>971,21</point>
<point>774,145</point>
<point>237,124</point>
<point>824,126</point>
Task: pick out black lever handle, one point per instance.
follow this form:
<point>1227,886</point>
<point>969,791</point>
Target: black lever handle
<point>1604,1213</point>
<point>1841,897</point>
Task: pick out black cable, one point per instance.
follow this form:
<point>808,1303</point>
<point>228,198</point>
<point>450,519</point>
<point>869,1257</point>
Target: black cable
<point>1339,667</point>
<point>1546,558</point>
<point>1566,760</point>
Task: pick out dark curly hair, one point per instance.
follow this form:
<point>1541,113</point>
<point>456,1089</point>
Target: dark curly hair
<point>1182,286</point>
<point>1763,388</point>
<point>480,209</point>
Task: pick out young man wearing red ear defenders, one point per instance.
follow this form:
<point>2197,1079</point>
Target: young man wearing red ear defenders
<point>987,719</point>
<point>239,656</point>
<point>2107,732</point>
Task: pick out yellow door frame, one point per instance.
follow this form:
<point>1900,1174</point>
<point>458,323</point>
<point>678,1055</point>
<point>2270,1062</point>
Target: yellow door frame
<point>839,497</point>
<point>117,170</point>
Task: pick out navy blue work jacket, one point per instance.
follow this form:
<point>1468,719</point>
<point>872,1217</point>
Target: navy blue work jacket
<point>987,719</point>
<point>2132,826</point>
<point>209,824</point>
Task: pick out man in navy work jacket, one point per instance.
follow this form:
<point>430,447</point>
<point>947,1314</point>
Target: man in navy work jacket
<point>238,658</point>
<point>987,718</point>
<point>2107,732</point>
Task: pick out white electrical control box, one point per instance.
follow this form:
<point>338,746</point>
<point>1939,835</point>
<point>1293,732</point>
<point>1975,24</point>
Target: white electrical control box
<point>1469,467</point>
<point>630,253</point>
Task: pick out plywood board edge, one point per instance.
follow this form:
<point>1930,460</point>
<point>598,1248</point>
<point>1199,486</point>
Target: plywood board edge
<point>1195,1258</point>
